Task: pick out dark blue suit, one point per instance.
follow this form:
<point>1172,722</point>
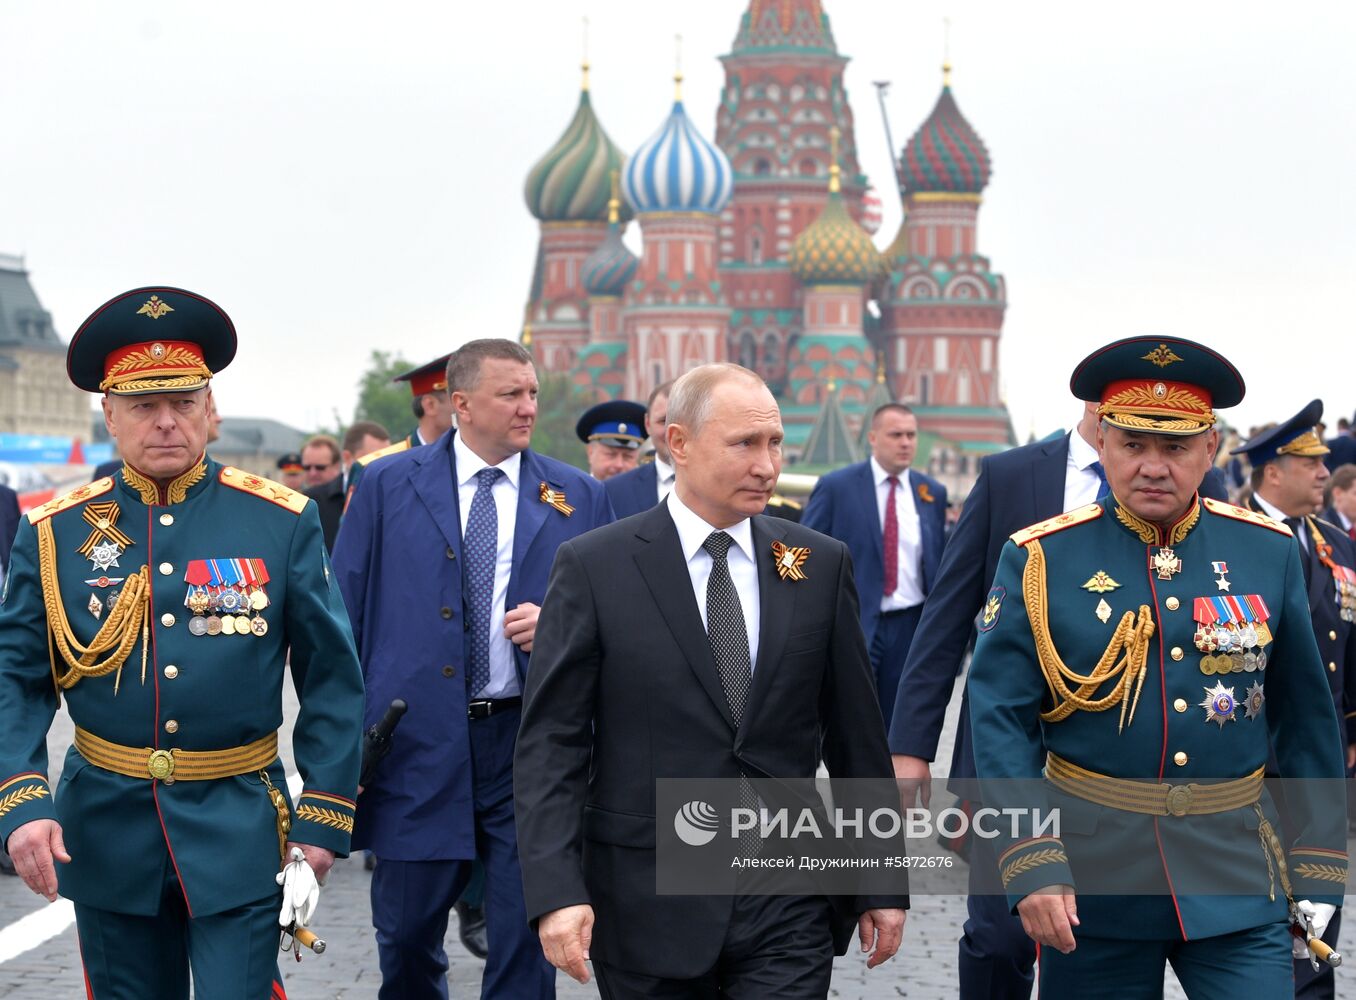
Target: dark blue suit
<point>1015,489</point>
<point>843,505</point>
<point>1341,451</point>
<point>9,524</point>
<point>444,795</point>
<point>634,491</point>
<point>106,468</point>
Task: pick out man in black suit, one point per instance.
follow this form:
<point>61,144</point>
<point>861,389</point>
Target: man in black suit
<point>1015,489</point>
<point>669,646</point>
<point>1341,449</point>
<point>322,459</point>
<point>643,487</point>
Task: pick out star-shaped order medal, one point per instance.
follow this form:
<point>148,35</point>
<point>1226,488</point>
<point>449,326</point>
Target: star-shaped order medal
<point>1219,704</point>
<point>105,555</point>
<point>1253,708</point>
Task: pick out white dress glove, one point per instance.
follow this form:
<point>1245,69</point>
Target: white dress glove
<point>301,891</point>
<point>1319,914</point>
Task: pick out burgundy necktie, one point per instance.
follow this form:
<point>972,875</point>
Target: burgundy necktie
<point>891,539</point>
<point>1351,532</point>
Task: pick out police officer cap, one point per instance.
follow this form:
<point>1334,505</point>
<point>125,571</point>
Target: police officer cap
<point>154,339</point>
<point>291,462</point>
<point>619,423</point>
<point>431,377</point>
<point>1157,385</point>
<point>1296,436</point>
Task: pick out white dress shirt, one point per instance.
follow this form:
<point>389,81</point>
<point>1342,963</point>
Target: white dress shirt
<point>663,477</point>
<point>1081,484</point>
<point>909,584</point>
<point>692,533</point>
<point>503,672</point>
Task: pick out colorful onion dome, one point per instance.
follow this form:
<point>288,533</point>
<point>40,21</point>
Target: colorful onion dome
<point>835,250</point>
<point>678,170</point>
<point>570,183</point>
<point>945,154</point>
<point>782,24</point>
<point>612,265</point>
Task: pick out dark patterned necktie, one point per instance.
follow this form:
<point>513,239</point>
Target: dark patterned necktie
<point>481,546</point>
<point>725,626</point>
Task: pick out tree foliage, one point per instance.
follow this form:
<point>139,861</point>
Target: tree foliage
<point>380,399</point>
<point>559,404</point>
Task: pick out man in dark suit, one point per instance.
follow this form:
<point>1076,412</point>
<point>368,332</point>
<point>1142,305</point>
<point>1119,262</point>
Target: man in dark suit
<point>745,672</point>
<point>1341,449</point>
<point>1340,499</point>
<point>1288,478</point>
<point>442,560</point>
<point>895,527</point>
<point>1015,488</point>
<point>643,487</point>
<point>321,458</point>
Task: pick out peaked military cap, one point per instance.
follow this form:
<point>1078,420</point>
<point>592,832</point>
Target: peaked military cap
<point>431,377</point>
<point>1296,436</point>
<point>619,423</point>
<point>1157,385</point>
<point>153,339</point>
<point>291,462</point>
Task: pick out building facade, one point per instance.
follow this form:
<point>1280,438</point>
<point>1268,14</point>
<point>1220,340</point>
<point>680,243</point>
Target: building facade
<point>36,397</point>
<point>754,251</point>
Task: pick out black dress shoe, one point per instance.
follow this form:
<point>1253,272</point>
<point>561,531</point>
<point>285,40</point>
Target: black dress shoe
<point>471,930</point>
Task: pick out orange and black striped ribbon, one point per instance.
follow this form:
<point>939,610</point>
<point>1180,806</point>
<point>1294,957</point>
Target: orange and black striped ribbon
<point>103,518</point>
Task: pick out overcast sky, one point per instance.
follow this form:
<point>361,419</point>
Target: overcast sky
<point>344,176</point>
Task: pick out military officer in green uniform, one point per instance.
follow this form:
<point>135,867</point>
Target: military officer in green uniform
<point>1288,477</point>
<point>162,603</point>
<point>1137,657</point>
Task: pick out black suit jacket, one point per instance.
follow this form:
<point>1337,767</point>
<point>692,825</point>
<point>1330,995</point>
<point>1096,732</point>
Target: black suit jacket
<point>1015,489</point>
<point>9,523</point>
<point>329,497</point>
<point>622,690</point>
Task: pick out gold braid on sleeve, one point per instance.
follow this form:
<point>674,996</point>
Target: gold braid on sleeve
<point>126,623</point>
<point>1124,657</point>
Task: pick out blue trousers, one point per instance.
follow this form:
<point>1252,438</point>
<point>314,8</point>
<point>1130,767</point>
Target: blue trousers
<point>1250,963</point>
<point>996,959</point>
<point>411,900</point>
<point>889,649</point>
<point>229,956</point>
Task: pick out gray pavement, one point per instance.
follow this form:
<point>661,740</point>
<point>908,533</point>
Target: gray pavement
<point>924,970</point>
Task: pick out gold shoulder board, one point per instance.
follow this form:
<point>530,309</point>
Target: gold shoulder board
<point>1079,515</point>
<point>67,500</point>
<point>265,489</point>
<point>1243,514</point>
<point>777,500</point>
<point>390,449</point>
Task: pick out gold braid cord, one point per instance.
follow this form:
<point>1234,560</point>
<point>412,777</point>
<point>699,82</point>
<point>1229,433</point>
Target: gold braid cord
<point>126,622</point>
<point>1124,657</point>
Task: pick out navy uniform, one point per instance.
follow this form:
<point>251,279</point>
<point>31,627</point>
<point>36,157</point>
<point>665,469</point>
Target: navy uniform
<point>1328,557</point>
<point>173,803</point>
<point>1135,675</point>
<point>427,378</point>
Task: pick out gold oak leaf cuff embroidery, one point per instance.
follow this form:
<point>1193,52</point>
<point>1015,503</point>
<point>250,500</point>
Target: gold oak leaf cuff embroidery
<point>20,796</point>
<point>1024,864</point>
<point>325,817</point>
<point>1324,873</point>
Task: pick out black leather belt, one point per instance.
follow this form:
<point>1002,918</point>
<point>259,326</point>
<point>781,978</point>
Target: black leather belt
<point>483,708</point>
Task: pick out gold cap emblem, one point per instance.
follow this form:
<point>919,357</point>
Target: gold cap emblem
<point>1162,356</point>
<point>155,308</point>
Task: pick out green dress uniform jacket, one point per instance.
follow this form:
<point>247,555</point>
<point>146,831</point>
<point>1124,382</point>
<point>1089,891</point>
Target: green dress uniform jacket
<point>178,690</point>
<point>1062,589</point>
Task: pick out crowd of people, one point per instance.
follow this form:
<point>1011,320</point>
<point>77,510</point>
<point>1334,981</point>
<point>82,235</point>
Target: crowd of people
<point>1158,623</point>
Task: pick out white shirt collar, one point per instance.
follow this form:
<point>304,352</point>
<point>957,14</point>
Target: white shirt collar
<point>1268,508</point>
<point>1081,454</point>
<point>662,469</point>
<point>469,463</point>
<point>693,531</point>
<point>879,474</point>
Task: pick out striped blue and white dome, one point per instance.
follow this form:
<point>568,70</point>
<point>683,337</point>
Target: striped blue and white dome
<point>678,170</point>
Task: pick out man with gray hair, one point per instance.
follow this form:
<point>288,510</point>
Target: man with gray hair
<point>442,560</point>
<point>679,643</point>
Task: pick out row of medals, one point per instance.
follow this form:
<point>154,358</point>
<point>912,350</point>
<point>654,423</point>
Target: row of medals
<point>225,613</point>
<point>1232,649</point>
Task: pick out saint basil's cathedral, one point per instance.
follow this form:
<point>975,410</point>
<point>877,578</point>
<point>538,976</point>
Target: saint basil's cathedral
<point>755,251</point>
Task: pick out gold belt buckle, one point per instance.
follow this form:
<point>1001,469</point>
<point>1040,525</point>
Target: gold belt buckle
<point>161,765</point>
<point>1179,800</point>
